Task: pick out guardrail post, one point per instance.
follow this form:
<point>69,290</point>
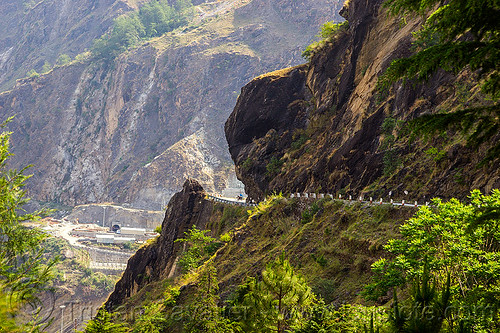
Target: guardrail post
<point>392,202</point>
<point>427,203</point>
<point>371,200</point>
<point>360,198</point>
<point>416,204</point>
<point>350,197</point>
<point>313,195</point>
<point>403,203</point>
<point>380,201</point>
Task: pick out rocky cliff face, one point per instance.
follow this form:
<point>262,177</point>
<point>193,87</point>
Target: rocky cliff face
<point>158,261</point>
<point>35,32</point>
<point>132,130</point>
<point>324,127</point>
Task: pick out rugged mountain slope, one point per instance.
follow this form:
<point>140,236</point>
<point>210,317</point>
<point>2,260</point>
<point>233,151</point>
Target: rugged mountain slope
<point>321,127</point>
<point>351,240</point>
<point>35,32</point>
<point>324,126</point>
<point>93,130</point>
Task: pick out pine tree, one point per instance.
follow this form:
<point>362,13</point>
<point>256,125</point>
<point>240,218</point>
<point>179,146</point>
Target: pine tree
<point>102,323</point>
<point>205,314</point>
<point>278,302</point>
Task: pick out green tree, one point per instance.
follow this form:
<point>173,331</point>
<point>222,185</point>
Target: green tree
<point>199,248</point>
<point>32,73</point>
<point>427,309</point>
<point>328,32</point>
<point>63,59</point>
<point>205,315</point>
<point>24,272</point>
<point>103,323</point>
<point>153,19</point>
<point>152,320</point>
<point>46,67</point>
<point>457,34</point>
<point>276,303</point>
<point>439,239</point>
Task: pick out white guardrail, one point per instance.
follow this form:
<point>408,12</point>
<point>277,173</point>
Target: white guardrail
<point>230,202</point>
<point>308,196</point>
<point>108,265</point>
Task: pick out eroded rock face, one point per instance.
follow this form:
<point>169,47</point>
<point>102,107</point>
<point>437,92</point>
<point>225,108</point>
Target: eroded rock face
<point>158,261</point>
<point>35,32</point>
<point>269,109</point>
<point>131,131</point>
<point>342,141</point>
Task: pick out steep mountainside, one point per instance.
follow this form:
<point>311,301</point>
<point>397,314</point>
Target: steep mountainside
<point>320,127</point>
<point>352,238</point>
<point>131,130</point>
<point>324,127</point>
<point>35,32</point>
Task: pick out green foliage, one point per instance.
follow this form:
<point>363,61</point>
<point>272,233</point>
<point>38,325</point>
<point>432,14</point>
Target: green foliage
<point>98,281</point>
<point>32,73</point>
<point>308,214</point>
<point>299,141</point>
<point>346,318</point>
<point>152,320</point>
<point>278,302</point>
<point>170,296</point>
<point>328,33</point>
<point>24,272</point>
<point>247,164</point>
<point>46,67</point>
<point>449,21</point>
<point>390,159</point>
<point>158,229</point>
<point>427,308</point>
<point>153,19</point>
<point>226,238</point>
<point>63,59</point>
<point>103,323</point>
<point>204,314</point>
<point>7,314</point>
<point>265,205</point>
<point>274,167</point>
<point>128,245</point>
<point>456,35</point>
<point>321,260</point>
<point>200,248</point>
<point>436,154</point>
<point>82,57</point>
<point>449,239</point>
<point>477,123</point>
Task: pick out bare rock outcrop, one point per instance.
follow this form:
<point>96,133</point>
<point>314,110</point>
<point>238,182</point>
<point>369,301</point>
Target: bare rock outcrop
<point>158,261</point>
<point>344,139</point>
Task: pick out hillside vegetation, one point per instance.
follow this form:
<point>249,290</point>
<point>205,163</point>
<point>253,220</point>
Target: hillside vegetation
<point>318,256</point>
